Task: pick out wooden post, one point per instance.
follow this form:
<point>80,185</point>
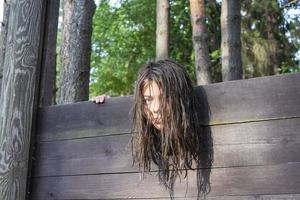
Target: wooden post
<point>19,94</point>
<point>48,71</point>
<point>4,26</point>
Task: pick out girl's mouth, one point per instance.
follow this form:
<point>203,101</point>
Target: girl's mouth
<point>156,121</point>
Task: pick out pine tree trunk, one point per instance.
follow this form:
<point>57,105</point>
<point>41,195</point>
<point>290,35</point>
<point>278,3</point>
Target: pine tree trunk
<point>200,39</point>
<point>162,35</point>
<point>3,36</point>
<point>76,50</point>
<point>231,40</point>
<point>19,95</point>
<point>273,46</point>
<point>214,38</point>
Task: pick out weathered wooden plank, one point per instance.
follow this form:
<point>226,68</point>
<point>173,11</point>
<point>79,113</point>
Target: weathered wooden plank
<point>225,156</point>
<point>19,95</point>
<point>254,180</point>
<point>83,152</point>
<point>256,143</point>
<point>254,99</point>
<point>3,36</point>
<point>230,102</point>
<point>244,197</point>
<point>83,119</point>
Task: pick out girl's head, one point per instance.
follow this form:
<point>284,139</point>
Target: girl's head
<point>163,92</point>
<point>165,128</point>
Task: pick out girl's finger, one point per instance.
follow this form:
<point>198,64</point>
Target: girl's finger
<point>99,99</point>
<point>102,99</point>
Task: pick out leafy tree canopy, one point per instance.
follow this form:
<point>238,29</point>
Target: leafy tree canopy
<point>124,39</point>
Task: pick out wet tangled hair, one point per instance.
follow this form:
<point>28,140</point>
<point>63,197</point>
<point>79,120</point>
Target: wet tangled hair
<point>180,142</point>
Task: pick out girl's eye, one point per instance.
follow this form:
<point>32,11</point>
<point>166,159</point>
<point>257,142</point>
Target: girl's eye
<point>148,100</point>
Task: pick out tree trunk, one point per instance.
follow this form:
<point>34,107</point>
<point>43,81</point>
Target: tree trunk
<point>4,27</point>
<point>200,39</point>
<point>214,38</point>
<point>162,35</point>
<point>19,95</point>
<point>273,46</point>
<point>76,50</point>
<point>48,71</point>
<point>231,40</point>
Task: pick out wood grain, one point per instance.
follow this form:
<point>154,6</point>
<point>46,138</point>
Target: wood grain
<point>253,180</point>
<point>19,95</point>
<point>244,197</point>
<point>3,36</point>
<point>257,99</point>
<point>48,71</point>
<point>85,119</point>
<point>83,149</point>
<point>263,98</point>
<point>256,143</point>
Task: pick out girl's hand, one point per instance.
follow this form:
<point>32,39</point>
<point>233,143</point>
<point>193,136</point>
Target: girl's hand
<point>99,99</point>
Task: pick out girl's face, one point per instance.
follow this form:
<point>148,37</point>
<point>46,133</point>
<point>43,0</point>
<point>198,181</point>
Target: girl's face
<point>152,104</point>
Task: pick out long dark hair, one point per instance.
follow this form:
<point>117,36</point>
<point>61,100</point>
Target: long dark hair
<point>179,143</point>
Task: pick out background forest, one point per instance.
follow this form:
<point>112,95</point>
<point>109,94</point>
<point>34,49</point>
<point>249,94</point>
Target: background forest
<point>124,37</point>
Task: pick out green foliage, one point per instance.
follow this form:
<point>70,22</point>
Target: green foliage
<point>124,39</point>
<point>180,35</point>
<point>181,44</point>
<point>265,33</point>
<point>213,14</point>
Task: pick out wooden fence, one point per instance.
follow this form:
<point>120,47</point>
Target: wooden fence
<point>83,149</point>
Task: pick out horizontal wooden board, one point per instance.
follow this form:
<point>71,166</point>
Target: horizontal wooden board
<point>255,99</point>
<point>244,197</point>
<point>254,180</point>
<point>84,119</point>
<point>83,149</point>
<point>256,143</point>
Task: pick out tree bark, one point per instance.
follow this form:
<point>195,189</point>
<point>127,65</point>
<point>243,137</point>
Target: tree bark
<point>76,50</point>
<point>48,71</point>
<point>231,40</point>
<point>4,28</point>
<point>162,35</point>
<point>214,38</point>
<point>19,95</point>
<point>273,45</point>
<point>200,39</point>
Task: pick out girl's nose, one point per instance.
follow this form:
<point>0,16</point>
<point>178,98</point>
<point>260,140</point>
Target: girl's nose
<point>155,107</point>
<point>156,111</point>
